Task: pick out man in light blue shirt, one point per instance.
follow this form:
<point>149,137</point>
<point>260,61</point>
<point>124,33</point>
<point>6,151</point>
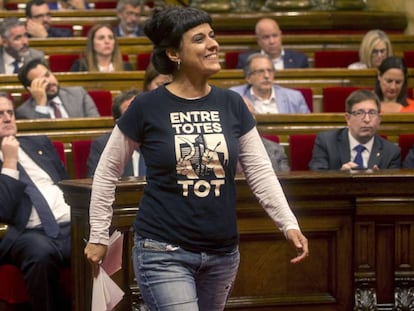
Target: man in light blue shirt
<point>260,92</point>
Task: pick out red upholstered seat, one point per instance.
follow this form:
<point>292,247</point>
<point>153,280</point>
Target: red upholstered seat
<point>334,97</point>
<point>231,59</point>
<point>409,58</point>
<point>103,101</point>
<point>271,137</point>
<point>334,59</point>
<point>300,150</point>
<point>405,141</point>
<point>143,60</point>
<point>80,153</point>
<point>85,29</point>
<point>105,4</point>
<point>12,287</point>
<point>308,95</point>
<point>61,62</point>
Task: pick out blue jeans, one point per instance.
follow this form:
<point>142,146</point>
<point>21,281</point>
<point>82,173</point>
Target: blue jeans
<point>173,279</point>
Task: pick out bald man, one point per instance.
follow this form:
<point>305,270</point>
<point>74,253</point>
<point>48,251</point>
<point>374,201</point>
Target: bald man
<point>269,39</point>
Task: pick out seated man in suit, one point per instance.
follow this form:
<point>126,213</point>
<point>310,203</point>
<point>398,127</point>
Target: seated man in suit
<point>38,24</point>
<point>38,236</point>
<point>409,159</point>
<point>130,14</point>
<point>357,146</point>
<point>269,39</point>
<point>135,167</point>
<point>15,51</point>
<point>263,94</point>
<point>48,99</point>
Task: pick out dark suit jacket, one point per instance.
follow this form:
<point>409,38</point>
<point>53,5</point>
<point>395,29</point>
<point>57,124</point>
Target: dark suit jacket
<point>277,155</point>
<point>138,33</point>
<point>291,59</point>
<point>409,159</point>
<point>15,204</point>
<point>80,65</point>
<point>33,54</point>
<point>76,101</point>
<point>331,150</point>
<point>55,32</point>
<point>97,147</point>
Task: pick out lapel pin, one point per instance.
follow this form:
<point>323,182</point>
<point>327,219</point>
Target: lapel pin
<point>40,152</point>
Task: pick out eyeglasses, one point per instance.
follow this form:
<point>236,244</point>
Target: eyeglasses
<point>360,114</point>
<point>38,16</point>
<point>379,51</point>
<point>262,71</point>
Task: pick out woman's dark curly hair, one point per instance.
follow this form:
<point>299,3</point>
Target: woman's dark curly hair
<point>165,28</point>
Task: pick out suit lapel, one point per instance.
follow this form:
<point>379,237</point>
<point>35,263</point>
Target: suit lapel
<point>376,153</point>
<point>343,146</point>
<point>40,156</point>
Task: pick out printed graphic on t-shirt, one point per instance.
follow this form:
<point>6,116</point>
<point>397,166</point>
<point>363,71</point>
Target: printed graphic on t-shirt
<point>201,152</point>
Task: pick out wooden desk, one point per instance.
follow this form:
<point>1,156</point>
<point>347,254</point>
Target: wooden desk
<point>360,227</point>
<point>283,125</point>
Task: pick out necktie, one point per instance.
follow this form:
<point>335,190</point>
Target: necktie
<point>358,158</point>
<point>46,216</point>
<point>16,66</point>
<point>56,109</point>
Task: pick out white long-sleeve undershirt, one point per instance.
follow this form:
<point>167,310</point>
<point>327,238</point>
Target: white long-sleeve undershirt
<point>253,158</point>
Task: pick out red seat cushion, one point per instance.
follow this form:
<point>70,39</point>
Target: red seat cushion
<point>143,60</point>
<point>300,149</point>
<point>80,154</point>
<point>103,101</point>
<point>405,141</point>
<point>231,59</point>
<point>61,62</point>
<point>12,286</point>
<point>334,59</point>
<point>334,97</point>
<point>308,95</point>
<point>409,58</point>
<point>271,137</point>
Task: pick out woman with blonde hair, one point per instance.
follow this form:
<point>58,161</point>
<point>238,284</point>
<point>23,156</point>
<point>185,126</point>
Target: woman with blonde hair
<point>102,53</point>
<point>374,48</point>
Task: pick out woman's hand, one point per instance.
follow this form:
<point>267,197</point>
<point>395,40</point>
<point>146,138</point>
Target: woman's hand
<point>95,253</point>
<point>300,242</point>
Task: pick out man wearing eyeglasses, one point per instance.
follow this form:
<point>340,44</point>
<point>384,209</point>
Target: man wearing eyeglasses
<point>130,14</point>
<point>262,95</point>
<point>357,146</point>
<point>38,20</point>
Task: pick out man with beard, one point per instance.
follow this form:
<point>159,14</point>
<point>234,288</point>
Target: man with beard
<point>48,99</point>
<point>15,49</point>
<point>262,95</point>
<point>37,240</point>
<point>130,14</point>
<point>357,146</point>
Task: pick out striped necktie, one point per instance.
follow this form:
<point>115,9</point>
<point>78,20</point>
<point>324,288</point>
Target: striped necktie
<point>49,223</point>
